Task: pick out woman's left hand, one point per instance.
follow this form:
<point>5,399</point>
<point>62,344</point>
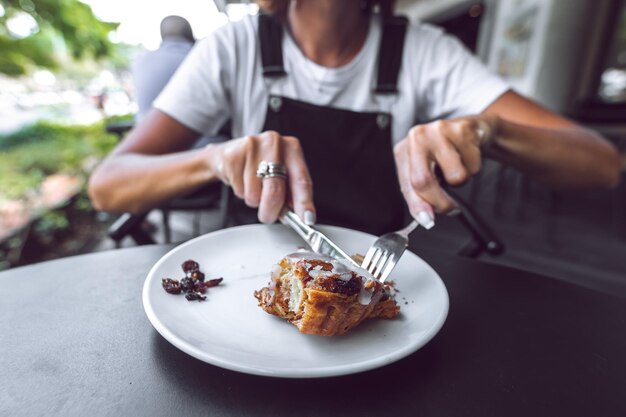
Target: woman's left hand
<point>455,146</point>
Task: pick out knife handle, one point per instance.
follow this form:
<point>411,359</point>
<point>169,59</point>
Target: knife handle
<point>291,219</point>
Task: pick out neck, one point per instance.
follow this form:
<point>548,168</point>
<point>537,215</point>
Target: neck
<point>329,32</point>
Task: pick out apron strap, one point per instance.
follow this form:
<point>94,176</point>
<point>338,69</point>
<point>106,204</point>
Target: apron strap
<point>390,54</point>
<point>271,37</point>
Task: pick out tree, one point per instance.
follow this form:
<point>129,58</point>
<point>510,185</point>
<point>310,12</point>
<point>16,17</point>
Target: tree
<point>61,26</point>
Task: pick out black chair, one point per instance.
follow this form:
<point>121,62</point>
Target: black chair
<point>211,196</point>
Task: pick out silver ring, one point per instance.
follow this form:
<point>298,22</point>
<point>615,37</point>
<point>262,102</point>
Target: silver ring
<point>271,170</point>
<point>483,131</point>
<point>480,132</point>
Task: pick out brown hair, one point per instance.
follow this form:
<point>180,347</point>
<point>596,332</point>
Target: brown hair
<point>279,7</point>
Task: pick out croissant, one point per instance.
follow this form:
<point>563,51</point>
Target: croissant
<point>324,296</point>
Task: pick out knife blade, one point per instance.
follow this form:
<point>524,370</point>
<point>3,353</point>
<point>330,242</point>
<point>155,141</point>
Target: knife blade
<point>318,242</point>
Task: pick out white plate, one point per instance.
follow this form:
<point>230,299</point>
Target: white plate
<point>230,330</point>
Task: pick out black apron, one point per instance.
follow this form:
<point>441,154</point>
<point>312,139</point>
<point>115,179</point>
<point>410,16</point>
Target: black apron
<point>349,154</point>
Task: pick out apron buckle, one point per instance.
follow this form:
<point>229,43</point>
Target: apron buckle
<point>382,120</point>
<point>275,103</point>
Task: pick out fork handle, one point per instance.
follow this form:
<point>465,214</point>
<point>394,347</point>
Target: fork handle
<point>408,229</point>
<point>475,225</point>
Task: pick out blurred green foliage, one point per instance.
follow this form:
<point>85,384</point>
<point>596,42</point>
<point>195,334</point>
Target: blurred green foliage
<point>29,155</point>
<point>51,221</point>
<point>63,25</point>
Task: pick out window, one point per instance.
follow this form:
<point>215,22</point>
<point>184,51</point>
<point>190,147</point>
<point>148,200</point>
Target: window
<point>612,85</point>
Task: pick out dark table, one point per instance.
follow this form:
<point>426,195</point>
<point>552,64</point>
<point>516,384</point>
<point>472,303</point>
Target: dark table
<point>74,341</point>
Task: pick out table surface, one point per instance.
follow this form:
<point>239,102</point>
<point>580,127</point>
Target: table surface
<point>74,340</point>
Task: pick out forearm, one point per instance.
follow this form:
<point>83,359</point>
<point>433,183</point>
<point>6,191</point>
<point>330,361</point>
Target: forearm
<point>135,183</point>
<point>560,157</point>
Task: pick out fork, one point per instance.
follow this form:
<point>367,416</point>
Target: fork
<point>383,255</point>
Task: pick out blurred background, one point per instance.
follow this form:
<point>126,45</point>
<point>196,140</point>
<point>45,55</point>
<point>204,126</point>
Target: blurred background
<point>67,97</point>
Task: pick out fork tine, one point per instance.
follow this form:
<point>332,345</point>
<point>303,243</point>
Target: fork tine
<point>368,258</point>
<point>381,261</point>
<point>385,252</point>
<point>390,265</point>
<point>372,267</point>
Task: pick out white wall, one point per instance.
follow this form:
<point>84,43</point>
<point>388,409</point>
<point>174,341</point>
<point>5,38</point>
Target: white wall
<point>559,47</point>
<point>562,48</point>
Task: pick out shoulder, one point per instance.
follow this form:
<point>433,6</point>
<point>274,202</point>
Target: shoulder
<point>430,47</point>
<point>232,34</point>
<point>174,47</point>
<point>426,36</point>
<point>426,31</point>
<point>169,52</point>
<point>142,61</point>
<point>227,47</point>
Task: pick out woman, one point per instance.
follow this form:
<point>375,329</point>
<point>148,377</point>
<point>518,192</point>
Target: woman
<point>358,103</point>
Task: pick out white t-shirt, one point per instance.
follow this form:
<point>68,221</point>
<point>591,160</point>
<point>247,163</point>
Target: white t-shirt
<point>222,79</point>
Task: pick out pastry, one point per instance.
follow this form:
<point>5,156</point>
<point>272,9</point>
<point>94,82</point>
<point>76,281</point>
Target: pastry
<point>324,296</point>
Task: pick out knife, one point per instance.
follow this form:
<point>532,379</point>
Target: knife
<point>317,240</point>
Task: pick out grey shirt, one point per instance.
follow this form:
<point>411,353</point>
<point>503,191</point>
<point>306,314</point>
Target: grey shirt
<point>152,71</point>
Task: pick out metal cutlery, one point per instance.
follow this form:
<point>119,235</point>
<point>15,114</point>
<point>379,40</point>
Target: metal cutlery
<point>383,255</point>
<point>317,240</point>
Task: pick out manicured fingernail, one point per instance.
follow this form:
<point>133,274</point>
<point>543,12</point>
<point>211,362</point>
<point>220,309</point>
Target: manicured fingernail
<point>309,218</point>
<point>454,212</point>
<point>425,219</point>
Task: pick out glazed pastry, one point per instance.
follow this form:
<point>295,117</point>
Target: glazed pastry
<point>324,296</point>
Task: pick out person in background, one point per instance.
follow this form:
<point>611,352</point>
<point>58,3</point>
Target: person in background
<point>152,70</point>
<point>345,97</point>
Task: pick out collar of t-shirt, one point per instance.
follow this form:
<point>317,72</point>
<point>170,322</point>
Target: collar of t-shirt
<point>325,80</point>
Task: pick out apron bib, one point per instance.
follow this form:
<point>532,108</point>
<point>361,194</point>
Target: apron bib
<point>349,154</point>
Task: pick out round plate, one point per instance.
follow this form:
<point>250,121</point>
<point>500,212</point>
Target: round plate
<point>230,330</point>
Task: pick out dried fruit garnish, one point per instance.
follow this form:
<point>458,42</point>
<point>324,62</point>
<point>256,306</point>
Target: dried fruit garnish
<point>197,276</point>
<point>189,266</point>
<point>201,287</point>
<point>192,283</point>
<point>170,285</point>
<point>194,296</point>
<point>213,282</point>
<point>186,284</point>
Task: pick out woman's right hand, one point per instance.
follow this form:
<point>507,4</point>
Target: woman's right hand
<point>236,162</point>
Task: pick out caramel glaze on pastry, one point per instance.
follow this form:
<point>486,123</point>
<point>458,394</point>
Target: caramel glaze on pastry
<point>324,296</point>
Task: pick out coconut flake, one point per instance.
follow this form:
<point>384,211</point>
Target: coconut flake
<point>319,273</point>
<point>365,296</point>
<point>346,276</point>
<point>275,271</point>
